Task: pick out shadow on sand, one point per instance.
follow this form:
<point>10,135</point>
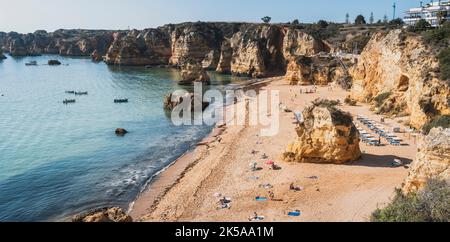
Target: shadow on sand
<point>370,160</point>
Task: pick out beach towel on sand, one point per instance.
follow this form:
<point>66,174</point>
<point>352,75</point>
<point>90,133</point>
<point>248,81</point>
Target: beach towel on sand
<point>294,214</point>
<point>261,199</point>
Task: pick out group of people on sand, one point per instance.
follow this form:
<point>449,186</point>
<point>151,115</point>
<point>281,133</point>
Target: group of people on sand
<point>225,203</point>
<point>309,90</point>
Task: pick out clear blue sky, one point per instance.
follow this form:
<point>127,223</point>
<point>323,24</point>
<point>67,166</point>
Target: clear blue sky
<point>30,15</point>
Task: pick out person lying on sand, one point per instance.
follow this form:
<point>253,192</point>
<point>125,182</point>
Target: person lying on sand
<point>272,197</point>
<point>292,187</point>
<point>256,217</point>
<point>275,167</point>
<point>224,203</point>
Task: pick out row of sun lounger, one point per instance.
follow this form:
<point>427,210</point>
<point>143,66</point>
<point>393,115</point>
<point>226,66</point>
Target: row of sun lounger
<point>378,129</point>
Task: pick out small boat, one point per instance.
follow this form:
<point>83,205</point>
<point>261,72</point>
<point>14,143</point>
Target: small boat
<point>81,93</point>
<point>122,100</point>
<point>70,92</point>
<point>67,101</point>
<point>31,63</point>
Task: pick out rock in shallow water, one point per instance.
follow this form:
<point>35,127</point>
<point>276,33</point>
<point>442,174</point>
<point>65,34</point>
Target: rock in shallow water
<point>173,100</point>
<point>104,215</point>
<point>54,62</point>
<point>121,132</point>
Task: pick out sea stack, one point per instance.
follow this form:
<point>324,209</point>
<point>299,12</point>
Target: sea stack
<point>172,100</point>
<point>432,161</point>
<point>54,63</point>
<point>192,71</point>
<point>325,135</point>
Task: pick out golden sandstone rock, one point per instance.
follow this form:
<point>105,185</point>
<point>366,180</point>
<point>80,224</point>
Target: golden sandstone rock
<point>403,66</point>
<point>326,135</point>
<point>432,161</point>
<point>104,215</point>
<point>192,71</point>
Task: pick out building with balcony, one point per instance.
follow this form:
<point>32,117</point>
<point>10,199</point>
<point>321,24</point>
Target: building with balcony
<point>433,13</point>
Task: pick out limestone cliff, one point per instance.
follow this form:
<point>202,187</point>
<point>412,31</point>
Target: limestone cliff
<point>148,47</point>
<point>256,50</point>
<point>432,161</point>
<point>404,69</point>
<point>193,71</point>
<point>326,135</point>
<point>63,42</point>
<point>304,70</point>
<point>305,65</point>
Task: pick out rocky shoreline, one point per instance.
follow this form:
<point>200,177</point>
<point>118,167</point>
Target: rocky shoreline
<point>396,75</point>
<point>395,66</point>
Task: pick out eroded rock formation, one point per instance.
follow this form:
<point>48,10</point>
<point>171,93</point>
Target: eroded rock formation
<point>403,69</point>
<point>432,161</point>
<point>255,50</point>
<point>326,135</point>
<point>104,215</point>
<point>193,71</point>
<point>172,100</point>
<point>63,42</point>
<point>148,47</point>
<point>314,70</point>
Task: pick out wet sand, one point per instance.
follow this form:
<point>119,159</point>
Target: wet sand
<point>189,190</point>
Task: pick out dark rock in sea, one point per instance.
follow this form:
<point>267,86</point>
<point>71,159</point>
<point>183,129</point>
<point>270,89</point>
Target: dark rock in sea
<point>54,62</point>
<point>104,215</point>
<point>121,132</point>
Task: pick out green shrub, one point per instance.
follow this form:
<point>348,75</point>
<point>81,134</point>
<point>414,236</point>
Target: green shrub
<point>421,25</point>
<point>430,205</point>
<point>349,101</point>
<point>322,31</point>
<point>380,99</point>
<point>427,106</point>
<point>359,41</point>
<point>444,63</point>
<point>440,121</point>
<point>438,36</point>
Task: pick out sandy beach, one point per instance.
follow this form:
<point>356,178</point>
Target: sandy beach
<point>189,190</point>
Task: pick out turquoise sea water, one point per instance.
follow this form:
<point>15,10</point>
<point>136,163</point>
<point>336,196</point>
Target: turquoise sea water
<point>58,160</point>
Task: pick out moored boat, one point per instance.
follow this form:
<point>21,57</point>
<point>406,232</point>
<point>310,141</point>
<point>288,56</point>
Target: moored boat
<point>121,100</point>
<point>67,101</point>
<point>31,63</point>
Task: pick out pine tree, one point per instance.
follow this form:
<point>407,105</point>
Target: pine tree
<point>372,18</point>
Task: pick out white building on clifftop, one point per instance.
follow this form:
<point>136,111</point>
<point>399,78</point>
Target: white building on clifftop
<point>431,12</point>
